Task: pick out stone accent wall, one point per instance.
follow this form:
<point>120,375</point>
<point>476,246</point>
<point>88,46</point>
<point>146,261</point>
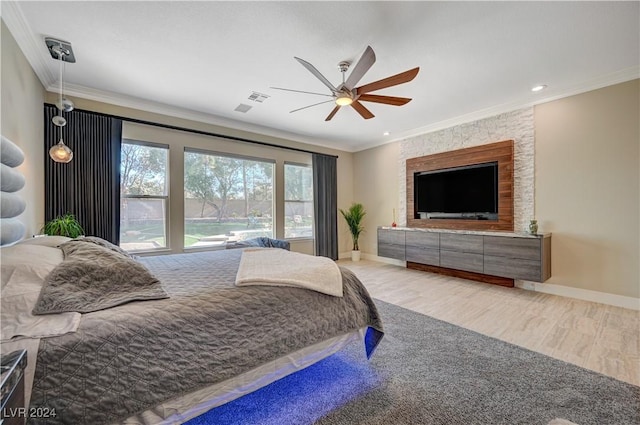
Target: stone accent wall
<point>516,125</point>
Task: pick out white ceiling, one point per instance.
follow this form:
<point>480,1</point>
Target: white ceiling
<point>200,60</point>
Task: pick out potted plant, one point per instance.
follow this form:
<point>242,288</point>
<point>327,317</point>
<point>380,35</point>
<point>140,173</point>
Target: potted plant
<point>65,225</point>
<point>354,216</point>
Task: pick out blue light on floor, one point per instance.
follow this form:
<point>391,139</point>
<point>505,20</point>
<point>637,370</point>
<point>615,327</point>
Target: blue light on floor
<point>300,398</point>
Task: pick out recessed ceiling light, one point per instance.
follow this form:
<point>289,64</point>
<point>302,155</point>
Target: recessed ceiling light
<point>539,87</point>
<point>386,133</point>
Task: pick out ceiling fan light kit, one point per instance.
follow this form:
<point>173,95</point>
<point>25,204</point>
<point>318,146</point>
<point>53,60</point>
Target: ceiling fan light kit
<point>344,100</point>
<point>346,94</point>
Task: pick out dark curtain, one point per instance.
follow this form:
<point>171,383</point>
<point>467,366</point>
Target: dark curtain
<point>88,186</point>
<point>325,205</point>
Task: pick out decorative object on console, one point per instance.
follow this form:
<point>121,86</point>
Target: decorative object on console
<point>11,181</point>
<point>533,227</point>
<point>61,50</point>
<point>354,216</point>
<point>65,225</point>
<point>393,223</point>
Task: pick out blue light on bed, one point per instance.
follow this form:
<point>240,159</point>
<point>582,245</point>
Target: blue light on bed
<point>300,398</point>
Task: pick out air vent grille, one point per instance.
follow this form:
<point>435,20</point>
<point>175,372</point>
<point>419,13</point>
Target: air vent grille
<point>243,108</point>
<point>258,97</point>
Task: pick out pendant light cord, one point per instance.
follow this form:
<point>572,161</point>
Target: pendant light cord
<point>61,59</point>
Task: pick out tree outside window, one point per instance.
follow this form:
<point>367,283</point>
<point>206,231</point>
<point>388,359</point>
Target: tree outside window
<point>298,202</point>
<point>143,196</point>
<point>226,198</point>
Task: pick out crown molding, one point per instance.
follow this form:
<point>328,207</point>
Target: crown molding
<point>31,45</point>
<point>524,102</point>
<point>622,76</point>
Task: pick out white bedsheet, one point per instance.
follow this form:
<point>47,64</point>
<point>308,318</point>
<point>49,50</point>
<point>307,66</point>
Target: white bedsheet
<point>19,297</point>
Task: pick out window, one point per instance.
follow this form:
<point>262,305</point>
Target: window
<point>144,196</point>
<point>298,201</point>
<point>226,198</point>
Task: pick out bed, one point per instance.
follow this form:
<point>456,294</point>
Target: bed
<point>201,342</point>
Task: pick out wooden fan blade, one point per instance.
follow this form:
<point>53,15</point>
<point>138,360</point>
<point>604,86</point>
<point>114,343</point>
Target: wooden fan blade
<point>365,62</point>
<point>315,104</point>
<point>301,91</point>
<point>317,73</point>
<point>332,113</point>
<point>387,100</point>
<point>394,80</point>
<point>366,114</point>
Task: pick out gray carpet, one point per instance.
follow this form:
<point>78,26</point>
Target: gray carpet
<point>426,371</point>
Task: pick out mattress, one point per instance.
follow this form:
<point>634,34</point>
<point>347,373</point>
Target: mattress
<point>134,358</point>
<point>189,406</point>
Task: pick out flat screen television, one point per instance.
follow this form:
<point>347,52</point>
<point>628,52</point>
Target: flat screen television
<point>469,192</point>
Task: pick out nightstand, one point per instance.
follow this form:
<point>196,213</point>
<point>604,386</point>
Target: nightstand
<point>12,408</point>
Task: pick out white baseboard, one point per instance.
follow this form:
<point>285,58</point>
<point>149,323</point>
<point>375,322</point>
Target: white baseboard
<point>581,294</point>
<point>373,257</point>
<point>344,255</point>
<point>547,288</point>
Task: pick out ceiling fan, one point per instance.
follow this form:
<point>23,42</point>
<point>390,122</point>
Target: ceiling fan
<point>347,94</point>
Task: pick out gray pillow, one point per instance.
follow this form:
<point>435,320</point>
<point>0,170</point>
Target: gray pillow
<point>264,242</point>
<point>104,243</point>
<point>92,278</point>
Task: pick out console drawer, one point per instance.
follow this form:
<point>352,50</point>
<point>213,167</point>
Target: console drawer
<point>423,239</point>
<point>502,246</point>
<point>516,268</point>
<point>466,261</point>
<point>391,244</point>
<point>391,251</point>
<point>423,255</point>
<point>463,243</point>
<point>394,237</point>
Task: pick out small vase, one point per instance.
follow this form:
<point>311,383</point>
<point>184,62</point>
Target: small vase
<point>533,227</point>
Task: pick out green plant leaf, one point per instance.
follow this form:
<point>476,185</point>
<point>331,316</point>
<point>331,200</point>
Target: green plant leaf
<point>65,225</point>
<point>353,216</point>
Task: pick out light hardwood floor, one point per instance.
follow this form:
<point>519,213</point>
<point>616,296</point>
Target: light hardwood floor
<point>594,336</point>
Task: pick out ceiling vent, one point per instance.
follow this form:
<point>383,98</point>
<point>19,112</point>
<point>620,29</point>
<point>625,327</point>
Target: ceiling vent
<point>242,108</point>
<point>258,97</point>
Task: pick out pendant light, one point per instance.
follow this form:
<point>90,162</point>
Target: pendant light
<point>61,51</point>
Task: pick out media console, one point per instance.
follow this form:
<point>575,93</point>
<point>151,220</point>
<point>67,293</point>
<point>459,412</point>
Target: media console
<point>492,257</point>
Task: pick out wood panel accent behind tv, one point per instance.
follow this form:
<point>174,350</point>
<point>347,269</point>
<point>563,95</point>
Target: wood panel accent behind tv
<point>500,152</point>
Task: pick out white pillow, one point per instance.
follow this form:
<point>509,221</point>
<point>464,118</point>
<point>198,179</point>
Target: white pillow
<point>29,263</point>
<point>24,268</point>
<point>50,241</point>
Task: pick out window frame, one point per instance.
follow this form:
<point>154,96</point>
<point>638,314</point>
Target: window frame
<point>285,200</point>
<point>201,151</point>
<point>165,198</point>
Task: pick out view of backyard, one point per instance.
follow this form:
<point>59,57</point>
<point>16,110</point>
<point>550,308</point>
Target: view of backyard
<point>226,199</point>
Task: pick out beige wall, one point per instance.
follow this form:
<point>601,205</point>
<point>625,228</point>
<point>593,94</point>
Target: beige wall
<point>178,140</point>
<point>588,185</point>
<point>21,122</point>
<point>375,185</point>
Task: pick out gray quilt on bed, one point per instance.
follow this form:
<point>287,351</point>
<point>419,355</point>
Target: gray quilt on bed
<point>124,360</point>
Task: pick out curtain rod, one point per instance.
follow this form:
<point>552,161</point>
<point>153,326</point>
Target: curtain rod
<point>201,132</point>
